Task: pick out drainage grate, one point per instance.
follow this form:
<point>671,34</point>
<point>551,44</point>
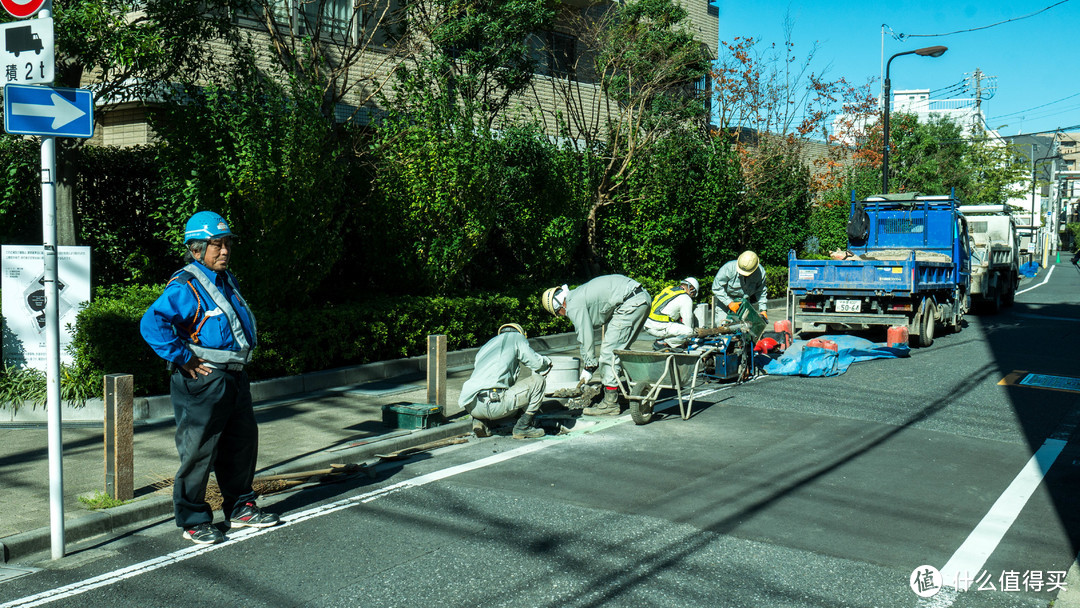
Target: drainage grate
<point>7,572</point>
<point>1061,383</point>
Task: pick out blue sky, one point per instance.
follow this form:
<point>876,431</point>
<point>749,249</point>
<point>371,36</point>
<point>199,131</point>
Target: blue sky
<point>1030,57</point>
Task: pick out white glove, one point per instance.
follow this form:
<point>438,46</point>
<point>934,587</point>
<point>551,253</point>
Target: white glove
<point>585,376</point>
<point>547,368</point>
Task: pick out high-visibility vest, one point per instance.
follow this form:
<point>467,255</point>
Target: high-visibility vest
<point>668,294</point>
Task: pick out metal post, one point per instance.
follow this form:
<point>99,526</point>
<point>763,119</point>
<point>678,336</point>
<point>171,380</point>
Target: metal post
<point>52,346</point>
<point>119,436</point>
<point>885,133</point>
<point>436,370</point>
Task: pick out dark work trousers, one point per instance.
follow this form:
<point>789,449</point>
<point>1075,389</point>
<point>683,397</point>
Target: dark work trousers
<point>215,430</point>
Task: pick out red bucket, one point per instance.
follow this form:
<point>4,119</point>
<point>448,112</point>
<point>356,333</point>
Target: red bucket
<point>897,336</point>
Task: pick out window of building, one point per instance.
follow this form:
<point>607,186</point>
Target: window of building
<point>555,54</point>
<point>336,20</point>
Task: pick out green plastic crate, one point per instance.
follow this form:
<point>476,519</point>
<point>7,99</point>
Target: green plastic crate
<point>404,415</point>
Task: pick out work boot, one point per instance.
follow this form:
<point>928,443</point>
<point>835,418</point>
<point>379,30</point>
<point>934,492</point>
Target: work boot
<point>525,429</point>
<point>608,407</point>
<point>480,428</point>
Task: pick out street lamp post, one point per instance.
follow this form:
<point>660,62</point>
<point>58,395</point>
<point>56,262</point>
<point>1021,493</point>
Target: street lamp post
<point>930,51</point>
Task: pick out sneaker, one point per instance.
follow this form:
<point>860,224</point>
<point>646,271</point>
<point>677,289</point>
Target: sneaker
<point>204,534</point>
<point>480,428</point>
<point>249,514</point>
<point>659,345</point>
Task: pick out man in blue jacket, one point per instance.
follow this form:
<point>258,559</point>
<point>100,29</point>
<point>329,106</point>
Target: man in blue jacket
<point>203,328</point>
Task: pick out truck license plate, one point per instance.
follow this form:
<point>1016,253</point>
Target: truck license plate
<point>848,305</point>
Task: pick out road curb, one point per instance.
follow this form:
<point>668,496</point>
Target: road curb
<point>156,508</point>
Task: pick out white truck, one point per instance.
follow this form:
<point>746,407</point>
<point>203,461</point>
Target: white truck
<point>995,255</point>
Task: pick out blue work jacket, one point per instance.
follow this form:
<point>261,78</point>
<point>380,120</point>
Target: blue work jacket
<point>189,319</point>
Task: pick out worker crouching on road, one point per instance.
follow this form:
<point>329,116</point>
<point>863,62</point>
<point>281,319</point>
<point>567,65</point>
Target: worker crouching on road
<point>738,279</point>
<point>201,325</point>
<point>493,390</point>
<point>671,315</point>
<point>619,304</point>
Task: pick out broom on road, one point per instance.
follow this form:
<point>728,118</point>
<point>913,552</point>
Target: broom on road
<point>272,484</point>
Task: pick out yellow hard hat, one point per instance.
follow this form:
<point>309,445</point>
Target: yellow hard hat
<point>512,326</point>
<point>748,263</point>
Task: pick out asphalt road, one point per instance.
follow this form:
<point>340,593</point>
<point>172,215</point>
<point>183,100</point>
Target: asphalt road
<point>801,492</point>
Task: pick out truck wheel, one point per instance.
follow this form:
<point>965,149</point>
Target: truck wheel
<point>927,322</point>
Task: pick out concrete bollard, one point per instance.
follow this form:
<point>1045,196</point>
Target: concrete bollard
<point>119,436</point>
<point>436,370</point>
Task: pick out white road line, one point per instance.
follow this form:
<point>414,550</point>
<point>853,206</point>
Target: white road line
<point>243,534</point>
<point>1045,279</point>
<point>969,559</point>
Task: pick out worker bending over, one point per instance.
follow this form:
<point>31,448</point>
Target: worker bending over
<point>493,390</point>
<point>738,279</point>
<point>617,303</point>
<point>671,315</point>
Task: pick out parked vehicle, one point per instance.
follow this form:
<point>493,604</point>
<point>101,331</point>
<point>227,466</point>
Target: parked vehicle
<point>908,264</point>
<point>995,255</point>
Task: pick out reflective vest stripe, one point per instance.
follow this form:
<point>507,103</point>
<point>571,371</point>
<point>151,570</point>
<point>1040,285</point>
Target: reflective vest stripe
<point>668,294</point>
<point>215,355</point>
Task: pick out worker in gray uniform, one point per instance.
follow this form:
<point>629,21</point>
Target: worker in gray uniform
<point>493,391</point>
<point>617,303</point>
<point>738,279</point>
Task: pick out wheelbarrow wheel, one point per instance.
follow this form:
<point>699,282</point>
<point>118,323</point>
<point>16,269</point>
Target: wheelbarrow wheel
<point>641,408</point>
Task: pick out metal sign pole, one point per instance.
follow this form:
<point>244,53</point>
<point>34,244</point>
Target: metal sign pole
<point>52,337</point>
<point>52,346</point>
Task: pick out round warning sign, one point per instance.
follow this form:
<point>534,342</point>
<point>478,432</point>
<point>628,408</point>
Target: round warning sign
<point>22,8</point>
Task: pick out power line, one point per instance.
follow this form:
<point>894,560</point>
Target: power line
<point>1037,107</point>
<point>975,29</point>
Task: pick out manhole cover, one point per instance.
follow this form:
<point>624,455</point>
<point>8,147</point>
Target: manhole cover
<point>1062,383</point>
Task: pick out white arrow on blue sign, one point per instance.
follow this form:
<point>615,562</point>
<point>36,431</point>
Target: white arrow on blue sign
<point>41,110</point>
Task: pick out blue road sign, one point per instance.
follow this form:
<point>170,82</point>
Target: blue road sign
<point>41,110</point>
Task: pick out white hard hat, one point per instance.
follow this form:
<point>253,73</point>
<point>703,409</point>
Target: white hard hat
<point>692,282</point>
<point>748,263</point>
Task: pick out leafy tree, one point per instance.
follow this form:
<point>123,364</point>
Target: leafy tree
<point>471,55</point>
<point>268,160</point>
<point>681,219</point>
<point>126,51</point>
<point>20,191</point>
<point>642,56</point>
<point>345,49</point>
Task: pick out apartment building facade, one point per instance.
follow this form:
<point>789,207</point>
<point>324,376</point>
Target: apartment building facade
<point>360,36</point>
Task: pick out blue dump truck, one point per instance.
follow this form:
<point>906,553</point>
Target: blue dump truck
<point>908,264</point>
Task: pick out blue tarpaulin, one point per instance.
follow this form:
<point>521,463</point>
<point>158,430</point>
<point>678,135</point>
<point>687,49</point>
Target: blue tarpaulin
<point>802,360</point>
<point>1030,269</point>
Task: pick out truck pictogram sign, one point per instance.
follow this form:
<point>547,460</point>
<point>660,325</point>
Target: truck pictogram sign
<point>27,52</point>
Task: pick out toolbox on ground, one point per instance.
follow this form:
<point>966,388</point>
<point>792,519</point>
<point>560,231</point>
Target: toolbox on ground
<point>404,415</point>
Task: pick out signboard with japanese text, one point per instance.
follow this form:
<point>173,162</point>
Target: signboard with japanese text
<point>27,52</point>
<point>23,305</point>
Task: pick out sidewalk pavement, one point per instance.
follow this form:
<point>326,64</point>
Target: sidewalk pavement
<point>302,432</point>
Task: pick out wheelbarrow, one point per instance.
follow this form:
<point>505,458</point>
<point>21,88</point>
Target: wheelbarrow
<point>646,373</point>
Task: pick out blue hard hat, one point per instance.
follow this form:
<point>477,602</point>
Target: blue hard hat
<point>206,225</point>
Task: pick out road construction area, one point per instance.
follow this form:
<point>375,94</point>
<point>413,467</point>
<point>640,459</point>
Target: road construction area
<point>947,478</point>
